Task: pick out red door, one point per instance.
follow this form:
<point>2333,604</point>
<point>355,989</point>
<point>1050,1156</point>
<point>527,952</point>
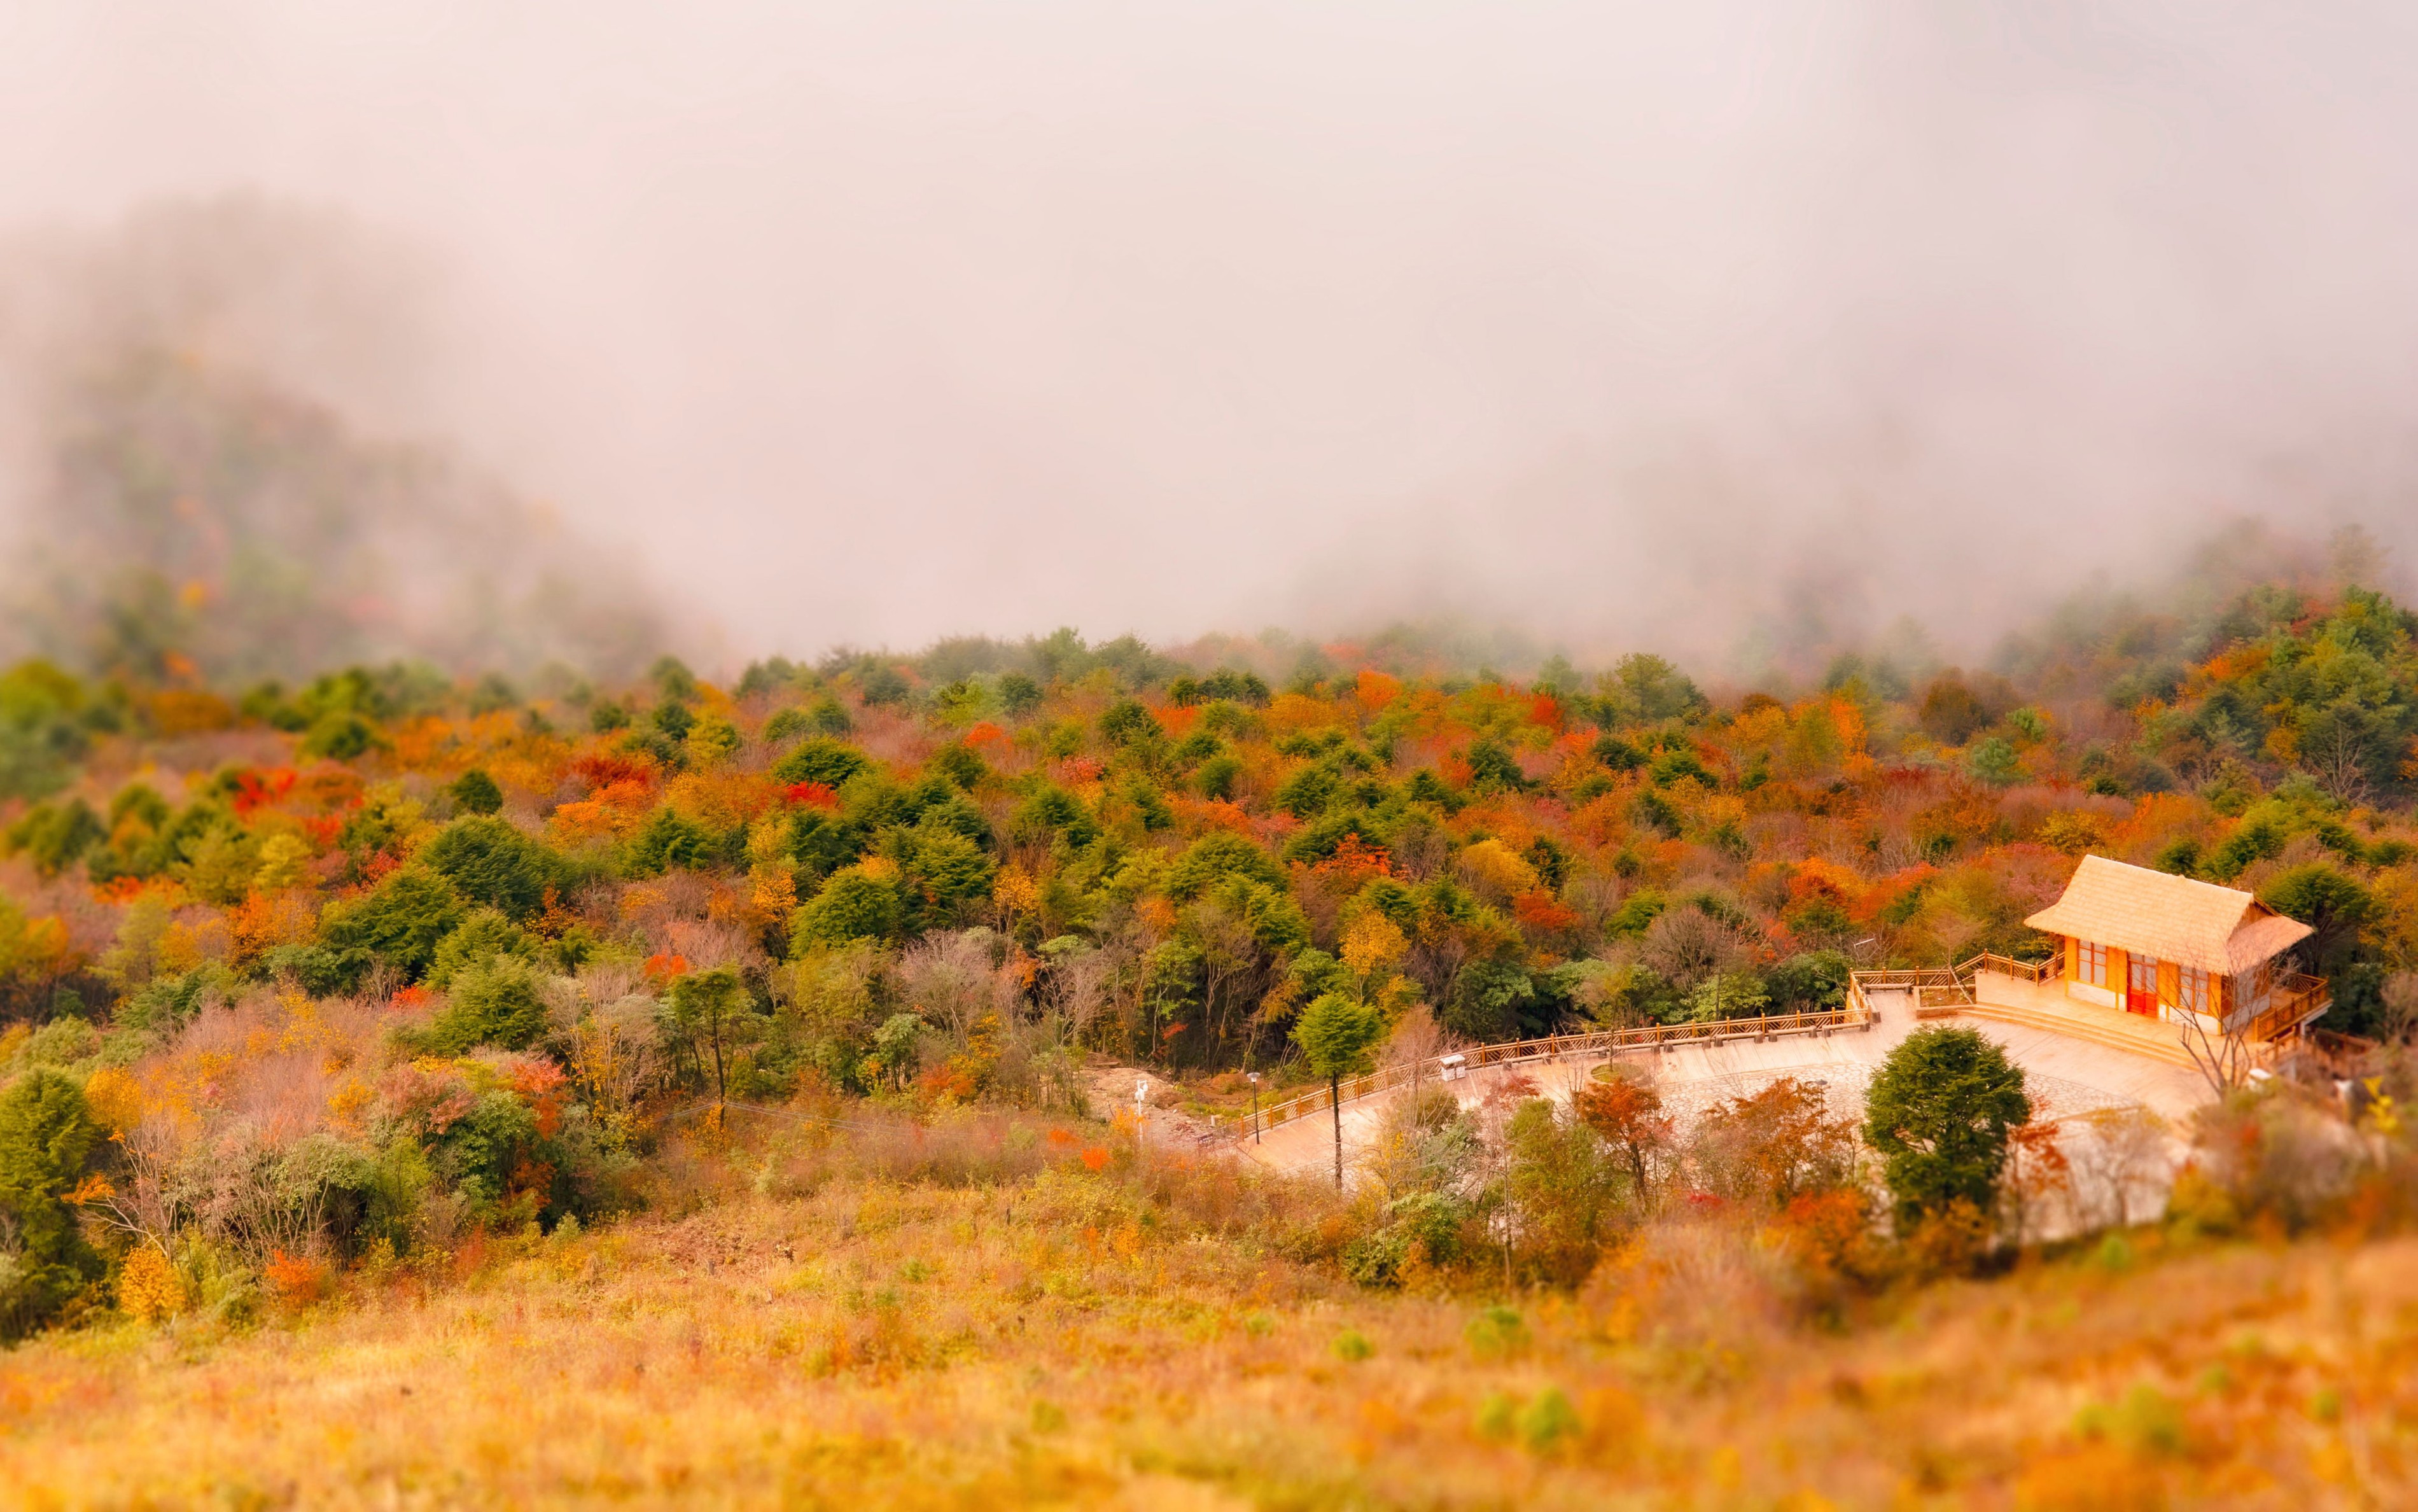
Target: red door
<point>2141,986</point>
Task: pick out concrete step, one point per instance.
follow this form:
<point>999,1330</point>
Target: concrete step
<point>2158,1041</point>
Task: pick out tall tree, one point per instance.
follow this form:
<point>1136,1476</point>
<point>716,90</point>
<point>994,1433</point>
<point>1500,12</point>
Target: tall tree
<point>709,1006</point>
<point>1335,1034</point>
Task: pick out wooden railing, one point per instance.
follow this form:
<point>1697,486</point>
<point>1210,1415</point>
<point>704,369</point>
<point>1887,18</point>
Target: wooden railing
<point>1937,990</point>
<point>1552,1047</point>
<point>2298,998</point>
<point>1946,988</point>
<point>2033,971</point>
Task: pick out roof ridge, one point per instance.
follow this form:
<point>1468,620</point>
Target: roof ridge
<point>2168,878</point>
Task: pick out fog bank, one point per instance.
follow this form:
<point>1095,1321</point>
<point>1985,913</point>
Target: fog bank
<point>1706,327</point>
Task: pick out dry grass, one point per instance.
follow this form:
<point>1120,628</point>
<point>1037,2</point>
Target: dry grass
<point>1012,1329</point>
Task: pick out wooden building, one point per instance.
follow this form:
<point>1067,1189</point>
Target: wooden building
<point>2171,948</point>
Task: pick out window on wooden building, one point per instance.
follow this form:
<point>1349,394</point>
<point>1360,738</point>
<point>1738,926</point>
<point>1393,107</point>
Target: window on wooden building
<point>2094,963</point>
<point>2191,989</point>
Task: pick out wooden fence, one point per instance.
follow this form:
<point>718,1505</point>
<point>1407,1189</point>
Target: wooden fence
<point>1552,1047</point>
<point>2298,998</point>
<point>1945,988</point>
<point>1934,988</point>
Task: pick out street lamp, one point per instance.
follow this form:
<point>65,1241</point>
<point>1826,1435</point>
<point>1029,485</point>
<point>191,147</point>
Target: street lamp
<point>1255,1106</point>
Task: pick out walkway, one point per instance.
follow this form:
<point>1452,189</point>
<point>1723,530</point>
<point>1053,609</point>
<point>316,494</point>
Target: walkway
<point>2073,1074</point>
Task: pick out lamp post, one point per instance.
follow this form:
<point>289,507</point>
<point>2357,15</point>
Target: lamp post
<point>1255,1106</point>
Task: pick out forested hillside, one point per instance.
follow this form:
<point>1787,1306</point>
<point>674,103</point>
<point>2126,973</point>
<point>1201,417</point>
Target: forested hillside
<point>307,988</point>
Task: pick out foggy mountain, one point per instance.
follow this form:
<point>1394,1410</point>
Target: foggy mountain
<point>1721,332</point>
<point>194,501</point>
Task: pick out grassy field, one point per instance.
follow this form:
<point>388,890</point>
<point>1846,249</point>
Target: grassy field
<point>799,1325</point>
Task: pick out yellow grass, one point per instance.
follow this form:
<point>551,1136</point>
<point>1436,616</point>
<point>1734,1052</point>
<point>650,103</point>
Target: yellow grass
<point>1055,1341</point>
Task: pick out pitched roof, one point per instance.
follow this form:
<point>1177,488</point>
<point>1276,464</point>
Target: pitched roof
<point>2171,918</point>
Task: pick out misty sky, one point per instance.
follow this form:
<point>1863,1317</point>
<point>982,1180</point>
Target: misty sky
<point>1659,324</point>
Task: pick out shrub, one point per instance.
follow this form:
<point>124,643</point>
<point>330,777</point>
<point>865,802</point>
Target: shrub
<point>1771,1147</point>
<point>1495,1333</point>
<point>148,1288</point>
<point>1548,1422</point>
<point>1423,1228</point>
<point>296,1280</point>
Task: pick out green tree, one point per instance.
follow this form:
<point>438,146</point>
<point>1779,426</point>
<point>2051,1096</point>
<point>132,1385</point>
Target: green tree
<point>1018,695</point>
<point>852,905</point>
<point>1127,723</point>
<point>1215,857</point>
<point>401,922</point>
<point>42,735</point>
<point>666,841</point>
<point>1564,1189</point>
<point>1492,767</point>
<point>489,860</point>
<point>2332,904</point>
<point>713,1009</point>
<point>46,1137</point>
<point>1171,988</point>
<point>1939,1112</point>
<point>672,678</point>
<point>341,737</point>
<point>945,874</point>
<point>1644,689</point>
<point>475,792</point>
<point>1993,761</point>
<point>494,1002</point>
<point>1053,811</point>
<point>1335,1033</point>
<point>480,939</point>
<point>1810,981</point>
<point>1486,1000</point>
<point>822,759</point>
<point>53,835</point>
<point>961,764</point>
<point>1216,776</point>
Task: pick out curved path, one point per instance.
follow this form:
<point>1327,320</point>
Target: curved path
<point>2068,1076</point>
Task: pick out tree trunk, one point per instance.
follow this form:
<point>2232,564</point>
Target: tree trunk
<point>1335,1105</point>
<point>721,1090</point>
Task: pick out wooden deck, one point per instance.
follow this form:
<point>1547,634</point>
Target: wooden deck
<point>2044,1006</point>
